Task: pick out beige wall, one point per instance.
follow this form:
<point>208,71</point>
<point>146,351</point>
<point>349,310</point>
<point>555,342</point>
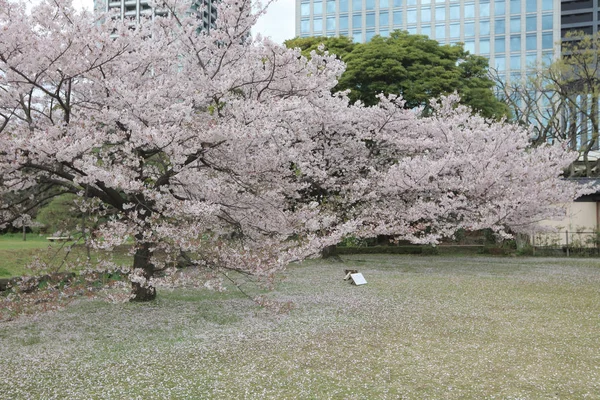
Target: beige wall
<point>581,222</point>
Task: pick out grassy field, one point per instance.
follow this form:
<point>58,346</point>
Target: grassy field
<point>422,328</point>
<point>16,254</point>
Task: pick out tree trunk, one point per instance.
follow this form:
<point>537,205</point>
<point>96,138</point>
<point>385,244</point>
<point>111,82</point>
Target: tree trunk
<point>143,291</point>
<point>522,241</point>
<point>328,251</point>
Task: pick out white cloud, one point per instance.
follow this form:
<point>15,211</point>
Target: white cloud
<point>279,21</point>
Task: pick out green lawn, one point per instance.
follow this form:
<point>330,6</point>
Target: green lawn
<point>16,254</point>
<point>422,328</point>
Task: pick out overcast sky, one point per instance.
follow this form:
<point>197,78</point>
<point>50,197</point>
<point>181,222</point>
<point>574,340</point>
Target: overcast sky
<point>278,23</point>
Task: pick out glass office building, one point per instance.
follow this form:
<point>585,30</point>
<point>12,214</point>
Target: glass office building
<point>513,34</point>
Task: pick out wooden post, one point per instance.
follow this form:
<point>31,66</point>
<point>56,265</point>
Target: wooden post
<point>567,236</point>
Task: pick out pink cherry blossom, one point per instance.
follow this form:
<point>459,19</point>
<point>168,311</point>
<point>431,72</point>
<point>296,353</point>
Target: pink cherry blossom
<point>233,150</point>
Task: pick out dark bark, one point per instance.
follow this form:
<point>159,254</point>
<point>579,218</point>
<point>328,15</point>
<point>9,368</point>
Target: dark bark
<point>142,261</point>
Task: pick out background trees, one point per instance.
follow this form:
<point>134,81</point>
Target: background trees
<point>560,102</point>
<point>412,66</point>
<point>234,154</point>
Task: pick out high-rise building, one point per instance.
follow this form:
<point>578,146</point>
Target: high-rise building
<point>580,15</point>
<point>513,34</point>
<point>136,9</point>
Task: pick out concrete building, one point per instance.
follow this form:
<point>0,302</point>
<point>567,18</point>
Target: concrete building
<point>136,9</point>
<point>580,15</point>
<point>513,34</point>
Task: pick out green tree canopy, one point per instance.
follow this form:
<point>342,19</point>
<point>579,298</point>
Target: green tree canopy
<point>413,66</point>
<point>340,46</point>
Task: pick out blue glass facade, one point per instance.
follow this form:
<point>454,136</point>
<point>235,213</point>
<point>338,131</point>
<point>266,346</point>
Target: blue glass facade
<point>512,33</point>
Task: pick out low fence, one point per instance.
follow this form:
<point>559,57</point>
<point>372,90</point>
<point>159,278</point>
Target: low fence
<point>566,243</point>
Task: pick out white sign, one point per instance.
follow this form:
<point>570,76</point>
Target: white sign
<point>358,279</point>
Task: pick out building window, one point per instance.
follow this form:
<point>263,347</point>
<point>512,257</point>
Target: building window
<point>318,7</point>
<point>547,5</point>
<point>500,26</point>
<point>383,4</point>
<point>305,9</point>
<point>343,22</point>
<point>547,41</point>
<point>531,23</point>
<point>455,11</point>
<point>499,8</point>
<point>411,16</point>
<point>469,10</point>
<point>515,61</point>
<point>384,32</point>
<point>370,5</point>
<point>499,44</point>
<point>384,19</point>
<point>370,20</point>
<point>500,63</point>
<point>397,3</point>
<point>343,5</point>
<point>370,35</point>
<point>425,14</point>
<point>547,21</point>
<point>484,28</point>
<point>484,10</point>
<point>470,46</point>
<point>397,18</point>
<point>531,42</point>
<point>454,31</point>
<point>515,25</point>
<point>440,13</point>
<point>515,43</point>
<point>330,6</point>
<point>440,32</point>
<point>531,60</point>
<point>357,36</point>
<point>331,23</point>
<point>515,6</point>
<point>426,30</point>
<point>484,46</point>
<point>357,21</point>
<point>357,5</point>
<point>305,26</point>
<point>412,30</point>
<point>469,29</point>
<point>318,25</point>
<point>531,6</point>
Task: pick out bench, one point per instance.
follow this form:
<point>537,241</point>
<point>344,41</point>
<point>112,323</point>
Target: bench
<point>59,238</point>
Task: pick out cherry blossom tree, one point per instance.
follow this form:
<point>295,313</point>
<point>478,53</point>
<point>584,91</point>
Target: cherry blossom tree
<point>230,152</point>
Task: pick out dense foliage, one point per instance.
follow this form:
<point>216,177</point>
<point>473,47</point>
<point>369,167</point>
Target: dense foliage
<point>412,66</point>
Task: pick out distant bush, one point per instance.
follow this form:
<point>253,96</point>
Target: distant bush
<point>60,215</point>
<point>430,250</point>
<point>380,250</point>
